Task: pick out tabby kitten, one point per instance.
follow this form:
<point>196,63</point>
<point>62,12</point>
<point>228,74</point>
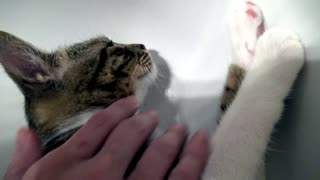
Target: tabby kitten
<point>64,88</point>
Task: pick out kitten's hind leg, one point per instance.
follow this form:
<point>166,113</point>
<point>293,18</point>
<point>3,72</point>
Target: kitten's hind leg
<point>246,26</point>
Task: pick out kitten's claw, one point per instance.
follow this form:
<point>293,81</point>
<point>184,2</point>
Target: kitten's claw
<point>246,25</point>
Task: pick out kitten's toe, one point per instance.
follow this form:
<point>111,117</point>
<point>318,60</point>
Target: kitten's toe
<point>246,25</point>
<point>279,45</point>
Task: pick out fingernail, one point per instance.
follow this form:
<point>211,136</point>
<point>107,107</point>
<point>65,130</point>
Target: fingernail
<point>202,135</point>
<point>152,114</point>
<point>179,125</point>
<point>150,117</point>
<point>133,101</point>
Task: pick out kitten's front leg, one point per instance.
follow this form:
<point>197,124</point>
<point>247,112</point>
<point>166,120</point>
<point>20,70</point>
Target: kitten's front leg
<point>240,141</point>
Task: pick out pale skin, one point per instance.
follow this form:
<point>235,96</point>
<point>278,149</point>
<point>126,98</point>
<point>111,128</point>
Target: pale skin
<point>105,145</point>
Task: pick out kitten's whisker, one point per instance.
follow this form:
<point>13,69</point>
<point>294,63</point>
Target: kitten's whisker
<point>157,85</point>
<point>160,74</point>
<point>132,76</point>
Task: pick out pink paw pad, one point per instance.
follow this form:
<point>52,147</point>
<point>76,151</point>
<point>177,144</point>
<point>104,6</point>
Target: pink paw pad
<point>251,13</point>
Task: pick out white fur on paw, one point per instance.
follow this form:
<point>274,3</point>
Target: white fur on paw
<point>279,46</point>
<point>246,25</point>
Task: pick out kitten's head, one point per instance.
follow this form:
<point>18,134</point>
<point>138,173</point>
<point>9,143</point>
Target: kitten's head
<point>64,87</point>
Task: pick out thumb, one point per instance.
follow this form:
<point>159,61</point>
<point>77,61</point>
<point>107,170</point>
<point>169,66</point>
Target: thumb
<point>27,152</point>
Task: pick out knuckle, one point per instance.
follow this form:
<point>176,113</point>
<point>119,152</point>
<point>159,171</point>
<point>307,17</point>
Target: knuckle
<point>81,148</point>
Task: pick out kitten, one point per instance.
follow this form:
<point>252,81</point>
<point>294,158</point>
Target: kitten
<point>64,88</point>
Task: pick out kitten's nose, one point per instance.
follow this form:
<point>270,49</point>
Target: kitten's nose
<point>139,46</point>
<point>143,47</point>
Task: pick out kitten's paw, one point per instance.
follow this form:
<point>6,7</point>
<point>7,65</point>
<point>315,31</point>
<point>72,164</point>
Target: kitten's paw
<point>246,25</point>
<point>279,46</point>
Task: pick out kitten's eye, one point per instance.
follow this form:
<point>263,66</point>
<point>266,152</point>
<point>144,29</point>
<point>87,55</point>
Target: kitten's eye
<point>110,44</point>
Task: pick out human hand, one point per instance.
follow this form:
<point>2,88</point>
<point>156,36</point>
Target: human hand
<point>105,145</point>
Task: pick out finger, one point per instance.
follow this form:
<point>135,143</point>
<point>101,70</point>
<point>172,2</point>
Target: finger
<point>193,159</point>
<point>27,152</point>
<point>85,142</point>
<point>126,139</point>
<point>158,158</point>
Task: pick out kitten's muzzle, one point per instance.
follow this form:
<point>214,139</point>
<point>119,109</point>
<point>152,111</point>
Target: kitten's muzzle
<point>144,66</point>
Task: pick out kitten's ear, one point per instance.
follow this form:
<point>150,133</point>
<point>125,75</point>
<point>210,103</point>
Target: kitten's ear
<point>23,62</point>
